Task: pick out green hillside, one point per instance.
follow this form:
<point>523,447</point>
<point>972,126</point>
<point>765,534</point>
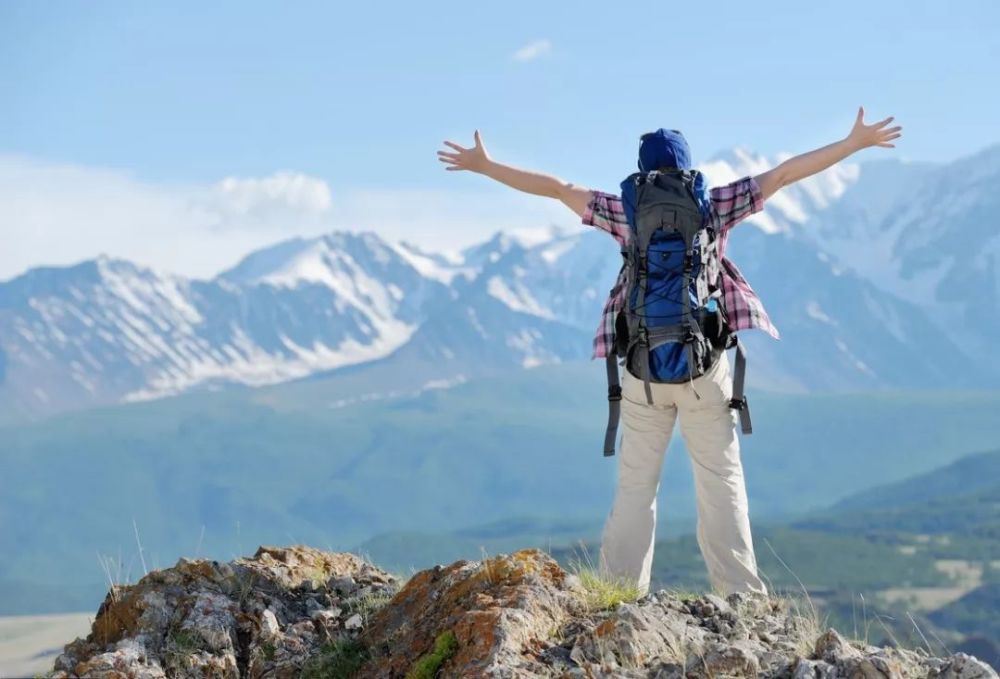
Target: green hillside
<point>958,505</point>
<point>217,474</point>
<point>977,613</point>
<point>967,475</point>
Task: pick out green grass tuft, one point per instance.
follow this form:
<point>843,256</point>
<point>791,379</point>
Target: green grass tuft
<point>603,591</point>
<point>336,660</point>
<point>427,666</point>
<point>600,589</point>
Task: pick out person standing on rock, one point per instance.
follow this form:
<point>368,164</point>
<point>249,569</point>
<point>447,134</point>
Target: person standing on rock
<point>707,420</point>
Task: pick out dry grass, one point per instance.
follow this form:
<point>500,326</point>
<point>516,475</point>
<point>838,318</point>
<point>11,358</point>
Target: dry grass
<point>603,591</point>
<point>807,625</point>
<point>600,589</point>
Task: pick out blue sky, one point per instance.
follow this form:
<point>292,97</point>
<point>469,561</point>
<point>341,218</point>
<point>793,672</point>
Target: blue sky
<point>176,96</point>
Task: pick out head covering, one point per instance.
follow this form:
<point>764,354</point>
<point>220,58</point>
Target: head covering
<point>664,148</point>
<point>669,148</point>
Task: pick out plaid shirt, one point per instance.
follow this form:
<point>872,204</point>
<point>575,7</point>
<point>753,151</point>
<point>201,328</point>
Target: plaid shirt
<point>730,205</point>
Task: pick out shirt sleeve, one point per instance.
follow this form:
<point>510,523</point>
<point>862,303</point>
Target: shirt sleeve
<point>736,201</point>
<point>606,212</point>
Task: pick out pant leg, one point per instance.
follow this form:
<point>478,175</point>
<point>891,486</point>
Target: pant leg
<point>708,426</point>
<point>628,535</point>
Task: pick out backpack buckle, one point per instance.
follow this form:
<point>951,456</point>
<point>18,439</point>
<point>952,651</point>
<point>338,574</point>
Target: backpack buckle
<point>615,393</point>
<point>738,403</point>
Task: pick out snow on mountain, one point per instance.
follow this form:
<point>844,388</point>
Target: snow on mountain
<point>108,330</point>
<point>926,234</point>
<point>443,266</point>
<point>566,278</point>
<point>882,274</point>
<point>947,256</point>
<point>839,330</point>
<point>793,205</point>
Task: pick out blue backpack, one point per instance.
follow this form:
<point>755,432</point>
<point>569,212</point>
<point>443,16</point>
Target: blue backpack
<point>673,326</point>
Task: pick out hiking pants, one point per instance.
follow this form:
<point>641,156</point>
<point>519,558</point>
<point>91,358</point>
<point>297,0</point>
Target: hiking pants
<point>709,428</point>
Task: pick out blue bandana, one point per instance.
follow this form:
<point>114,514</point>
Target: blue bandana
<point>669,148</point>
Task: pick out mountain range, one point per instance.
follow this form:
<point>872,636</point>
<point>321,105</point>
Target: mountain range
<point>878,275</point>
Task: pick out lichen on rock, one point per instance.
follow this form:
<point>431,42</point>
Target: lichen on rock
<point>305,613</point>
<point>267,615</point>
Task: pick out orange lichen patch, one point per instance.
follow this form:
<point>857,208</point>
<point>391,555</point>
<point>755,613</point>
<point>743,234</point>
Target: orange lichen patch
<point>497,608</point>
<point>300,563</point>
<point>118,615</point>
<point>197,569</point>
<point>605,628</point>
<point>476,635</point>
<point>536,561</point>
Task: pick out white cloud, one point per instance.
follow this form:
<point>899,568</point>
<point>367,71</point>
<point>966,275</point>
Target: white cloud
<point>532,50</point>
<point>263,198</point>
<point>58,214</point>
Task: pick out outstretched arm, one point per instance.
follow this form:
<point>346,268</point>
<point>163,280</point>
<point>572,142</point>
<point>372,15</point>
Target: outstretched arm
<point>861,136</point>
<point>476,159</point>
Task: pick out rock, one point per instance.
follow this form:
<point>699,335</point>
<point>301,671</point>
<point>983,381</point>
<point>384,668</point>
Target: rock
<point>127,655</point>
<point>773,663</point>
<point>269,630</point>
<point>719,604</point>
<point>962,666</point>
<point>325,618</point>
<point>864,668</point>
<point>211,620</point>
<point>669,671</point>
<point>832,648</point>
<point>720,659</point>
<point>353,622</point>
<point>206,664</point>
<point>886,666</point>
<point>281,614</point>
<point>342,584</point>
<point>804,669</point>
<point>199,617</point>
<point>637,635</point>
<point>499,609</point>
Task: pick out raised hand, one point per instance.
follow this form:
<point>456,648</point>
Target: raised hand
<point>877,134</point>
<point>474,159</point>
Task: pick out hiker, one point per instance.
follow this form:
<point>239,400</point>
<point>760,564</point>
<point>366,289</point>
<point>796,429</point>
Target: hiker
<point>706,404</point>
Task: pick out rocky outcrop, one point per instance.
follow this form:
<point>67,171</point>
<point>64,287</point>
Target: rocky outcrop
<point>301,612</point>
<point>269,616</point>
<point>501,611</point>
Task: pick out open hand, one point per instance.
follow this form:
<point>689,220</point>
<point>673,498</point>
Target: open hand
<point>877,134</point>
<point>475,159</point>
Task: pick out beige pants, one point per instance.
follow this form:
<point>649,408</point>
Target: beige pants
<point>708,426</point>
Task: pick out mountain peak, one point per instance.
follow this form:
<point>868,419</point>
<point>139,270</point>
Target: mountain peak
<point>307,260</point>
<point>741,159</point>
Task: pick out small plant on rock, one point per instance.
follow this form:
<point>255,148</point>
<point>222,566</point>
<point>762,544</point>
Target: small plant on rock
<point>339,659</point>
<point>603,591</point>
<point>367,604</point>
<point>428,665</point>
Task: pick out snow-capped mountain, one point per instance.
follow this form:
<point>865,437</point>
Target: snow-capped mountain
<point>882,274</point>
<point>107,330</point>
<point>793,205</point>
<point>825,259</point>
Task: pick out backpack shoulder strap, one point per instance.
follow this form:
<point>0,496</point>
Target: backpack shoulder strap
<point>614,404</point>
<point>739,399</point>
